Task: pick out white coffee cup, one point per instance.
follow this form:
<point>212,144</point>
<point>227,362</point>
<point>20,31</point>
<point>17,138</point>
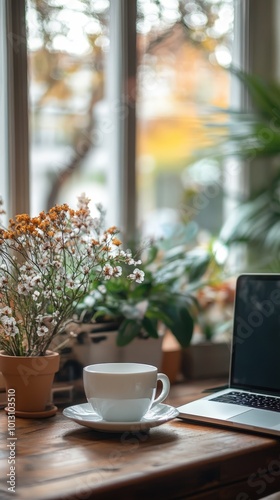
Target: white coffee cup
<point>123,392</point>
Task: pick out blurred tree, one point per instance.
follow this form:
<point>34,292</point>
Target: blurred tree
<point>66,39</point>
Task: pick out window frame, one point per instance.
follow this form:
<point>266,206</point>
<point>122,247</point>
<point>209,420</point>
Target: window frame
<point>122,98</point>
<point>121,91</point>
<point>248,177</point>
<point>3,105</point>
<point>17,139</point>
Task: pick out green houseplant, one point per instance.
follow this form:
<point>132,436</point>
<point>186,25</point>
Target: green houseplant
<point>173,272</point>
<point>250,136</point>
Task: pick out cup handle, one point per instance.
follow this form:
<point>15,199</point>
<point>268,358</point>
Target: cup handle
<point>165,388</point>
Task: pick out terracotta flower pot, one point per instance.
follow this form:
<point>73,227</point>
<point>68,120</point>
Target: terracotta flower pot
<point>29,380</point>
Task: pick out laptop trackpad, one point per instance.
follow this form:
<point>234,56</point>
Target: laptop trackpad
<point>210,409</point>
<point>258,418</point>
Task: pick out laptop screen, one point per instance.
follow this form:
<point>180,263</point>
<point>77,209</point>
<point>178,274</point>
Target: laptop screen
<point>255,361</point>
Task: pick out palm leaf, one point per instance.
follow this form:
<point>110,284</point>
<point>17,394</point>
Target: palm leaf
<point>251,135</point>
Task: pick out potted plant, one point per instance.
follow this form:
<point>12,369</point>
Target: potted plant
<point>250,136</point>
<point>48,263</point>
<point>209,353</point>
<point>254,223</point>
<point>140,312</point>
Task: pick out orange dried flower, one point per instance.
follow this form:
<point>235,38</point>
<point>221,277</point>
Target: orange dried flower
<point>116,242</point>
<point>112,230</point>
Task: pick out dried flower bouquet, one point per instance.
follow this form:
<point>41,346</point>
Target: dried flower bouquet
<point>48,263</point>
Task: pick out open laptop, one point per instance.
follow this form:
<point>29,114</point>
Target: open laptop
<point>252,399</point>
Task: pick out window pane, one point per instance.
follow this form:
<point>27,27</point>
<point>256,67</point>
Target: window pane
<point>68,43</point>
<point>181,47</point>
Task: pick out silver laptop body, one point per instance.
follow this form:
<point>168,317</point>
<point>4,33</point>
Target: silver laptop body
<point>252,400</point>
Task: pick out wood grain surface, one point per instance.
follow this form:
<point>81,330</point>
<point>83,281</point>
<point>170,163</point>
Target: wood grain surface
<point>58,459</point>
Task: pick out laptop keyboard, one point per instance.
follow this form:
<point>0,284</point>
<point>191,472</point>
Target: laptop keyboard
<point>253,400</point>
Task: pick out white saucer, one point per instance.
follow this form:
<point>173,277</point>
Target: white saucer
<point>83,414</point>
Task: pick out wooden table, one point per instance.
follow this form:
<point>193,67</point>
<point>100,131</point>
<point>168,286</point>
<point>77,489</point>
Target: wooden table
<point>58,459</point>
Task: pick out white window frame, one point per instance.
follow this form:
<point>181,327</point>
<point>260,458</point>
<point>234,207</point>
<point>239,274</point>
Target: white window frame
<point>252,55</point>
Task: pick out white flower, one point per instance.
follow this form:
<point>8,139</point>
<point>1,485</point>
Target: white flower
<point>5,310</point>
<point>3,281</point>
<point>9,325</point>
<point>56,264</point>
<point>13,330</point>
<point>35,295</point>
<point>137,275</point>
<point>46,245</point>
<point>71,284</point>
<point>5,320</point>
<point>117,271</point>
<point>24,288</point>
<point>108,271</point>
<point>83,201</point>
<point>42,330</point>
<point>36,280</point>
